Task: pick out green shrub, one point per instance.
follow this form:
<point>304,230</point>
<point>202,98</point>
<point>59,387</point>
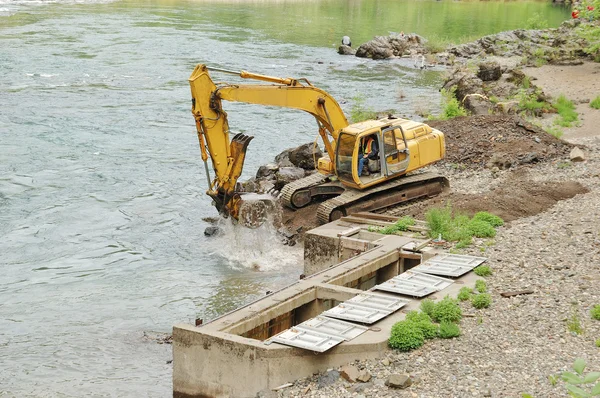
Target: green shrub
<point>451,107</point>
<point>482,300</point>
<point>537,21</point>
<point>579,384</point>
<point>574,323</point>
<point>595,103</point>
<point>447,310</point>
<point>595,312</point>
<point>406,336</point>
<point>449,330</point>
<point>566,111</point>
<point>423,322</point>
<point>489,218</point>
<point>483,270</point>
<point>464,294</point>
<point>460,228</point>
<point>598,343</point>
<point>480,286</point>
<point>481,229</point>
<point>427,306</point>
<point>400,225</point>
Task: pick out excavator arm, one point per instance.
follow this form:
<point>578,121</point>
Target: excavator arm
<point>213,129</point>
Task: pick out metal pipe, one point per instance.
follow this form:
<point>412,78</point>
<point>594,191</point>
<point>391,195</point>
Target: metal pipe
<point>232,72</point>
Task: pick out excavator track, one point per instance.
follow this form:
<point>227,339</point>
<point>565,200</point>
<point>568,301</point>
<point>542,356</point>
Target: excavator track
<point>384,195</point>
<point>288,191</point>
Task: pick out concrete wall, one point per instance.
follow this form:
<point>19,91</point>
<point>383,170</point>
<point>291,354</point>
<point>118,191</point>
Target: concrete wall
<point>213,365</point>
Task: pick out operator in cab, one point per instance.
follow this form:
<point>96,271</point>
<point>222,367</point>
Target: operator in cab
<point>369,150</point>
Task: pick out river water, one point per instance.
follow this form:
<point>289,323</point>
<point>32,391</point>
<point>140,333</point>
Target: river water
<point>101,184</point>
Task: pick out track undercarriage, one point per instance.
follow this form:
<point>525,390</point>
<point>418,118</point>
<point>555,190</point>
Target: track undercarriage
<point>348,200</point>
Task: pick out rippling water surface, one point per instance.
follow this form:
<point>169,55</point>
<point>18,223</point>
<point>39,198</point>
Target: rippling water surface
<point>101,184</point>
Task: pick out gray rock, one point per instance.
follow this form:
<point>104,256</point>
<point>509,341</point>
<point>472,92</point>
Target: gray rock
<point>350,373</point>
<point>285,175</point>
<point>305,156</point>
<point>489,71</point>
<point>346,50</point>
<point>283,159</point>
<point>527,158</point>
<point>360,387</point>
<point>267,394</point>
<point>212,230</point>
<point>383,47</point>
<point>267,170</point>
<point>399,381</point>
<point>327,379</point>
<point>364,376</point>
<point>385,362</point>
<point>576,155</point>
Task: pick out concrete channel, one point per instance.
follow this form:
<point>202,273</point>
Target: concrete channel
<point>239,354</point>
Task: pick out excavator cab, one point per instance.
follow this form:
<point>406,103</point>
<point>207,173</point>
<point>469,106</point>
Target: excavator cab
<point>392,156</point>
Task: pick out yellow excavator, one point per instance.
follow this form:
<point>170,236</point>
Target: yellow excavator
<point>403,146</point>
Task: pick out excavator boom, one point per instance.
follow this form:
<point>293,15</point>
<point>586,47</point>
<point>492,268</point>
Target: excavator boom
<point>213,129</point>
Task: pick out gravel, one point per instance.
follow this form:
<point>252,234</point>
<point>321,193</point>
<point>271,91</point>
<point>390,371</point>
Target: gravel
<point>520,343</point>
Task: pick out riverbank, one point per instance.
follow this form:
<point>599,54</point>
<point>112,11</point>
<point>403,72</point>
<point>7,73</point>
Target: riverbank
<point>520,345</point>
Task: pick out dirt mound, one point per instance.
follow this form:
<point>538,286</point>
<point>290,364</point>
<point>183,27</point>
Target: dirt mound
<point>501,141</point>
<point>522,198</point>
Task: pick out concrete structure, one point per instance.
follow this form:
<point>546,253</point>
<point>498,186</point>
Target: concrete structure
<point>228,356</point>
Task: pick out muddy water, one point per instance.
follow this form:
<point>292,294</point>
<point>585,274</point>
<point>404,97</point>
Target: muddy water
<point>101,185</point>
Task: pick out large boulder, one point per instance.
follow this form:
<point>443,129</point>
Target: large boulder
<point>346,50</point>
<point>267,170</point>
<point>383,47</point>
<point>305,156</point>
<point>285,175</point>
<point>489,71</point>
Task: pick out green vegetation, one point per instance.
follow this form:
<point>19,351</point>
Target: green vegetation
<point>446,310</point>
<point>595,312</point>
<point>489,218</point>
<point>450,105</point>
<point>423,322</point>
<point>574,323</point>
<point>530,103</point>
<point>581,385</point>
<point>400,225</point>
<point>406,336</point>
<point>449,330</point>
<point>595,103</point>
<point>483,270</point>
<point>427,306</point>
<point>480,286</point>
<point>591,33</point>
<point>482,300</point>
<point>566,111</point>
<point>555,131</point>
<point>553,379</point>
<point>464,294</point>
<point>460,228</point>
<point>598,343</point>
<point>359,111</point>
<point>537,21</point>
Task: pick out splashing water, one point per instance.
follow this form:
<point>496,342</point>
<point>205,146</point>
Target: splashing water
<point>260,248</point>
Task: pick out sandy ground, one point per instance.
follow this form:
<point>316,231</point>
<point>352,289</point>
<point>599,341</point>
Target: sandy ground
<point>580,84</point>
